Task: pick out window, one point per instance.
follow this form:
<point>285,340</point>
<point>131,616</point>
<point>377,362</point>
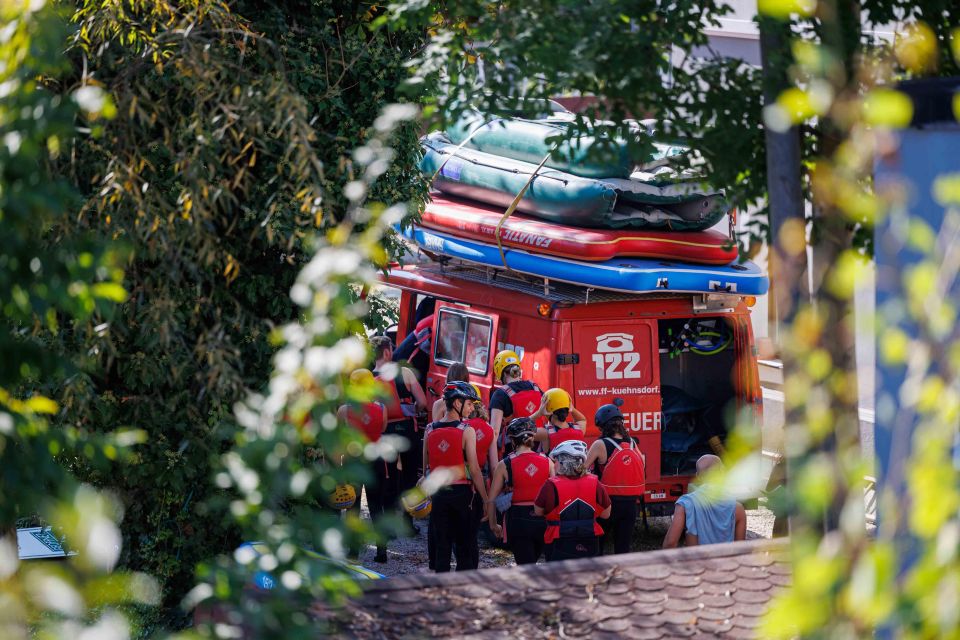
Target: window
<point>465,338</point>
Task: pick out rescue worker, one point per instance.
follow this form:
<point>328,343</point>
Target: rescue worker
<point>450,453</point>
<point>616,459</point>
<point>516,398</point>
<point>571,503</point>
<point>457,372</point>
<point>370,419</point>
<point>523,474</point>
<point>486,458</point>
<point>558,409</point>
<point>405,401</point>
<point>415,348</point>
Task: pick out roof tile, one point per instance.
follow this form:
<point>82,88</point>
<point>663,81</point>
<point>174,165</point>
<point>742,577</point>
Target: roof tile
<point>719,577</point>
<point>721,589</point>
<point>759,584</point>
<point>752,597</point>
<point>758,559</point>
<point>779,580</point>
<point>646,633</point>
<point>679,631</point>
<point>678,580</point>
<point>711,591</point>
<point>714,627</point>
<point>746,622</point>
<point>748,609</point>
<point>681,604</point>
<point>614,624</point>
<point>649,585</point>
<point>650,571</point>
<point>716,601</point>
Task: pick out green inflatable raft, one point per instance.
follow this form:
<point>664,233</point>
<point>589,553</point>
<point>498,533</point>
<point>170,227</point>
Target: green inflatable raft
<point>658,199</point>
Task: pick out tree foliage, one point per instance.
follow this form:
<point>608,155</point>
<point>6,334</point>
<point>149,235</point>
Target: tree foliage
<point>50,283</point>
<point>226,156</point>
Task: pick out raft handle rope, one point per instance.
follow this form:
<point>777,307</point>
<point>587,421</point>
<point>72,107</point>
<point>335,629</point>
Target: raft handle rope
<point>513,207</point>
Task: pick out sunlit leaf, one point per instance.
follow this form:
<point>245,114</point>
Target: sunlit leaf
<point>888,108</point>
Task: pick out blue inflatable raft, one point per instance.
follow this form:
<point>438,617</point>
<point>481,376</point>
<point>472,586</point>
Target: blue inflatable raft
<point>630,275</point>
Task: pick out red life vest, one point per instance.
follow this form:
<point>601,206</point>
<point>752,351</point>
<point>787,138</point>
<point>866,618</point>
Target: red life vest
<point>623,474</point>
<point>445,451</point>
<point>401,404</point>
<point>526,473</point>
<point>525,403</point>
<point>556,436</point>
<point>575,515</point>
<point>368,420</point>
<point>484,438</point>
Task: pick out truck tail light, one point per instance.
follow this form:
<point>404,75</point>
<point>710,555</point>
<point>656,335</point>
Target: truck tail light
<point>543,309</point>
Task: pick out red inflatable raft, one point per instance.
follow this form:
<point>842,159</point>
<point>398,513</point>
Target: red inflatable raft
<point>475,221</point>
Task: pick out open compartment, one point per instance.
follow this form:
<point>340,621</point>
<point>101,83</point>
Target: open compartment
<point>697,368</point>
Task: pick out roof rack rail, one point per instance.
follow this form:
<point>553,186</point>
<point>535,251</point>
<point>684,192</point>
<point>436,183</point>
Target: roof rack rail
<point>546,288</point>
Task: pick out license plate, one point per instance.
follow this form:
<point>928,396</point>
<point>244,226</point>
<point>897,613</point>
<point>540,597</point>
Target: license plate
<point>658,496</point>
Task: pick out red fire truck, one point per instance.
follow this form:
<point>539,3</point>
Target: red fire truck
<point>683,364</point>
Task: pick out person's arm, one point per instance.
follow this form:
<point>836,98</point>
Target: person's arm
<point>496,419</point>
<point>593,455</point>
<point>492,456</point>
<point>425,459</point>
<point>540,504</point>
<point>543,438</point>
<point>672,539</point>
<point>579,420</point>
<point>603,499</point>
<point>740,523</point>
<point>541,410</point>
<point>496,486</point>
<point>439,408</point>
<point>410,379</point>
<point>470,448</point>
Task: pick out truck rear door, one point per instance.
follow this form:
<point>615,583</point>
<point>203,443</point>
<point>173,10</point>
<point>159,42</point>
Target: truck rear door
<point>462,334</point>
<point>620,359</point>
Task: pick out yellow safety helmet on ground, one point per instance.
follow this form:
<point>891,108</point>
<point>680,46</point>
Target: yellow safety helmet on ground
<point>362,376</point>
<point>417,503</point>
<point>343,497</point>
<point>556,399</point>
<point>503,360</point>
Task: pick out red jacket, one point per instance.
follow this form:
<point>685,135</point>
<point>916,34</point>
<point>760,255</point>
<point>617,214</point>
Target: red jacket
<point>575,515</point>
<point>556,436</point>
<point>623,473</point>
<point>445,451</point>
<point>484,439</point>
<point>368,420</point>
<point>526,473</point>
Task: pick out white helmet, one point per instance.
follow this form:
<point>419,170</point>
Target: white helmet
<point>569,456</point>
<point>570,448</point>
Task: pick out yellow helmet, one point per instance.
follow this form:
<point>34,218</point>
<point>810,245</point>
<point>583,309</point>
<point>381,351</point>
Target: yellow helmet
<point>503,360</point>
<point>477,389</point>
<point>343,497</point>
<point>361,376</point>
<point>417,503</point>
<point>556,399</point>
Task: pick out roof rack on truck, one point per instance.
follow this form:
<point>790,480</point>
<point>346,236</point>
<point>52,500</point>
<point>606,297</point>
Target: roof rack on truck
<point>561,292</point>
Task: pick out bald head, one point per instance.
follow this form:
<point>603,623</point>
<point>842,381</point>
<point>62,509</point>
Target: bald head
<point>707,462</point>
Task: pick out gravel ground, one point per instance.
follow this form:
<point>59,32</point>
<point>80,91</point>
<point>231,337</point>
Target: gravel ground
<point>409,555</point>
